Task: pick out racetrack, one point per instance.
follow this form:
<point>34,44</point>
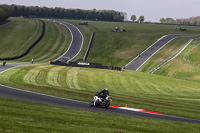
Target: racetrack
<point>138,61</point>
<point>76,43</point>
<point>13,93</point>
<point>74,49</point>
<point>11,65</point>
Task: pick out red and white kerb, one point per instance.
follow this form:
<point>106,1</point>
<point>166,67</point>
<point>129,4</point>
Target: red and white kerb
<point>137,110</point>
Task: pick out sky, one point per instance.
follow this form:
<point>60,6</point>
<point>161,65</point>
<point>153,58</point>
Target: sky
<point>152,10</point>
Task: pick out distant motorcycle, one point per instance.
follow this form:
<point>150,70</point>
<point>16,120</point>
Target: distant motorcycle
<point>100,102</point>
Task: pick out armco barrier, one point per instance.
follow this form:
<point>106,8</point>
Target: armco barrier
<point>28,50</point>
<point>89,47</point>
<point>88,65</point>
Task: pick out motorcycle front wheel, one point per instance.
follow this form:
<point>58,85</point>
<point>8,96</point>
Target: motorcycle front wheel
<point>105,104</point>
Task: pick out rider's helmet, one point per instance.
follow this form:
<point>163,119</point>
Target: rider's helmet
<point>106,89</point>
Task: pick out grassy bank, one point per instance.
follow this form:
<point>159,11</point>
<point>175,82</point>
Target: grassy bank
<point>185,66</point>
<point>138,90</point>
<point>18,36</point>
<point>15,38</point>
<point>19,116</point>
<point>55,43</point>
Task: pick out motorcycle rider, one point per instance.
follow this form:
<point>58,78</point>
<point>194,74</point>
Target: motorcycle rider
<point>105,93</point>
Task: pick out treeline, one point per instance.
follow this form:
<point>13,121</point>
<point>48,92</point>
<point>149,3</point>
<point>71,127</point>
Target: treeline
<point>35,11</point>
<point>191,20</point>
<point>4,13</point>
<point>185,21</point>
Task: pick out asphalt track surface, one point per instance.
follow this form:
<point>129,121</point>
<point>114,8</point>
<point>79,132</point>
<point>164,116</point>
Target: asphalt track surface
<point>12,93</point>
<point>76,43</point>
<point>138,61</point>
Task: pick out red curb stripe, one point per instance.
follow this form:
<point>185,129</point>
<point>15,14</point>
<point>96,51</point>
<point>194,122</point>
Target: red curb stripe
<point>151,112</point>
<point>114,106</point>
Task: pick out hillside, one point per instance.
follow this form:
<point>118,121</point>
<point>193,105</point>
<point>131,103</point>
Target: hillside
<point>19,36</point>
<point>187,63</point>
<point>161,92</point>
<point>118,48</point>
<point>55,42</point>
<point>15,38</point>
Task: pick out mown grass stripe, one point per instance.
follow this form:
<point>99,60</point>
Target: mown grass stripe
<point>72,78</point>
<point>62,74</point>
<point>52,76</point>
<point>31,76</point>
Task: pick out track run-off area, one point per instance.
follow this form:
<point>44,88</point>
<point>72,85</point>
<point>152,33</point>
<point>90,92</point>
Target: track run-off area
<point>74,49</point>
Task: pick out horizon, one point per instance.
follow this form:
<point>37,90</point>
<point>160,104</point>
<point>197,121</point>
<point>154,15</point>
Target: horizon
<point>152,10</point>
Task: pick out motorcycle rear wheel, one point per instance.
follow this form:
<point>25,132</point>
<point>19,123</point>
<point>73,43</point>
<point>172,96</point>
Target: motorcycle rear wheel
<point>91,103</point>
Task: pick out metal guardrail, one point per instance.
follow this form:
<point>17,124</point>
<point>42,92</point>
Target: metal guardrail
<point>89,47</point>
<point>87,65</point>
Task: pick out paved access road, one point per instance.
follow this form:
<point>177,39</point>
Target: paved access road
<point>76,43</point>
<point>12,93</point>
<point>138,61</point>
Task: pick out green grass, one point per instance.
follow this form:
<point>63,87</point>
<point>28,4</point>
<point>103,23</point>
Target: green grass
<point>167,51</point>
<point>15,38</point>
<point>138,90</point>
<point>117,49</point>
<point>185,66</point>
<point>56,41</point>
<point>20,116</point>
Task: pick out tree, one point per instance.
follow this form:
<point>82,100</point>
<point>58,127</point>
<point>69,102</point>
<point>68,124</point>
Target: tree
<point>133,17</point>
<point>141,19</point>
<point>170,20</point>
<point>179,21</point>
<point>118,18</point>
<point>3,14</point>
<point>162,20</point>
<point>104,15</point>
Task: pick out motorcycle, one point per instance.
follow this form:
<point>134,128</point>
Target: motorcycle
<point>100,102</point>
